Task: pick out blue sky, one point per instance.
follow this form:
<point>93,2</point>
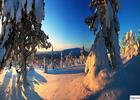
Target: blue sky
<point>129,16</point>
<point>64,21</point>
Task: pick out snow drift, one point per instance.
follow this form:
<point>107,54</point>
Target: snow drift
<point>124,82</point>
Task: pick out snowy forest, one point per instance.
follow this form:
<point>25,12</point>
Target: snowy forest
<point>108,69</point>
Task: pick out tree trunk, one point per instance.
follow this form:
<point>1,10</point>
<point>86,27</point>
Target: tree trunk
<point>1,67</point>
<point>24,69</point>
<point>23,58</point>
<point>46,68</point>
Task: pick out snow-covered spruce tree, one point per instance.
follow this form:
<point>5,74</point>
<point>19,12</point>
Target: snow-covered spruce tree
<point>51,65</point>
<point>105,51</point>
<point>21,30</point>
<point>129,46</point>
<point>139,41</point>
<point>45,67</point>
<point>61,61</point>
<point>82,55</point>
<point>69,59</point>
<point>123,45</point>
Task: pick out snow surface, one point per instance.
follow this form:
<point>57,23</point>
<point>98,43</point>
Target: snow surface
<point>7,33</point>
<point>9,90</point>
<point>65,84</point>
<point>39,10</point>
<point>59,84</point>
<point>6,36</point>
<point>109,14</point>
<point>125,82</point>
<point>2,53</point>
<point>9,7</point>
<point>117,59</point>
<point>14,8</point>
<point>97,66</point>
<point>29,6</point>
<point>19,13</point>
<point>0,27</point>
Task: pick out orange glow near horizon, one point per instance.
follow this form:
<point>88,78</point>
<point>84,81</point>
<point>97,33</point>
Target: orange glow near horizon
<point>59,47</point>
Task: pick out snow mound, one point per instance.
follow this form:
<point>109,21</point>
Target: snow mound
<point>124,82</point>
<point>96,69</point>
<point>96,83</point>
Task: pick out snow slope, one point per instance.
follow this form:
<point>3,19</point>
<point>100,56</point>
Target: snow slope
<point>124,83</point>
<point>60,84</point>
<point>9,90</point>
<point>64,84</point>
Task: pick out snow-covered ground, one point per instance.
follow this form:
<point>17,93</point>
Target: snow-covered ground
<point>67,84</point>
<point>125,82</point>
<point>58,84</point>
<point>10,90</point>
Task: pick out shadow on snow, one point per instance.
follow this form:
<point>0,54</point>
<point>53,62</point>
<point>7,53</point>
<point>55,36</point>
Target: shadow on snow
<point>19,91</point>
<point>67,70</point>
<point>35,78</point>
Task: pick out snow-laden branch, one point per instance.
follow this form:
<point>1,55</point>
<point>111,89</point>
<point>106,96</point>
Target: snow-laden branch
<point>20,17</point>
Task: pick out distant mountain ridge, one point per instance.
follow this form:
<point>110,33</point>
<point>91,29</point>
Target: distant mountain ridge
<point>74,52</point>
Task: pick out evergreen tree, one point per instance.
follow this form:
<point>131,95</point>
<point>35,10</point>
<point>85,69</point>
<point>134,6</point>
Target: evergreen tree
<point>105,50</point>
<point>45,66</point>
<point>123,45</point>
<point>139,41</point>
<point>69,59</point>
<point>61,61</point>
<point>82,55</point>
<point>52,60</point>
<point>130,45</point>
<point>104,23</point>
<point>21,30</point>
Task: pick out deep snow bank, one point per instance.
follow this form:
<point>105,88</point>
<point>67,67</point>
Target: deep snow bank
<point>125,82</point>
